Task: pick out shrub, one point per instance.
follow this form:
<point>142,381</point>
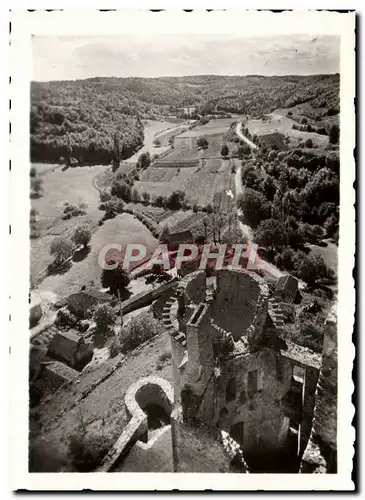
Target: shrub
<point>224,150</point>
<point>65,318</point>
<point>62,249</point>
<point>138,330</point>
<point>313,270</point>
<point>144,161</point>
<point>82,235</point>
<point>87,449</point>
<point>202,143</point>
<point>104,317</point>
<point>334,134</point>
<point>73,211</point>
<point>105,196</point>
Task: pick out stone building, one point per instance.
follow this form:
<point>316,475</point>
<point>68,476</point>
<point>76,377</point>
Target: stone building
<point>287,288</point>
<point>233,372</point>
<point>81,303</point>
<point>70,348</point>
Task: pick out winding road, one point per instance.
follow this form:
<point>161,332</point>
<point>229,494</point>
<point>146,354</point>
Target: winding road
<point>245,229</point>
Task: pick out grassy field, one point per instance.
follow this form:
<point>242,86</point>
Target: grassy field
<point>282,124</point>
<point>122,229</point>
<point>74,185</point>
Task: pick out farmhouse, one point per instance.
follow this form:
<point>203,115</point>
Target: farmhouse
<point>287,288</point>
<point>70,348</point>
<point>82,302</point>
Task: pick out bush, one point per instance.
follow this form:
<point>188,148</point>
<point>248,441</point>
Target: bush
<point>65,318</point>
<point>82,235</point>
<point>144,161</point>
<point>138,330</point>
<point>313,270</point>
<point>122,190</point>
<point>202,143</point>
<point>308,143</point>
<point>334,134</point>
<point>224,150</point>
<point>87,449</point>
<point>73,211</point>
<point>105,196</point>
<point>62,249</point>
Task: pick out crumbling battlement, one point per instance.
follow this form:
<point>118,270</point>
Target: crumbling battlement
<point>240,304</point>
<point>230,368</point>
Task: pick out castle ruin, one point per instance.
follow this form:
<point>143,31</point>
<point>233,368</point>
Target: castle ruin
<point>233,372</point>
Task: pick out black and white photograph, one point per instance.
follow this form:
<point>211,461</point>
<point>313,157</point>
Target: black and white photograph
<point>188,234</point>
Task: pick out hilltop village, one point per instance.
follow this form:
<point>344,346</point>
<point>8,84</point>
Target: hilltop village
<point>146,368</point>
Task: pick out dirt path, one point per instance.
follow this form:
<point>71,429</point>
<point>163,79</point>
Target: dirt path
<point>243,137</point>
<point>247,231</point>
<point>150,131</point>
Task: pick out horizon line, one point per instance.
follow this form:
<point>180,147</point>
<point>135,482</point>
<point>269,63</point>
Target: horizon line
<point>187,76</point>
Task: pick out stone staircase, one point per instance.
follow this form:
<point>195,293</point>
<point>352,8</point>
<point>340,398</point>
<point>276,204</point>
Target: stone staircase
<point>169,317</point>
<point>276,312</point>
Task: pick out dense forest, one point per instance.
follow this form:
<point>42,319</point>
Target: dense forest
<point>82,119</point>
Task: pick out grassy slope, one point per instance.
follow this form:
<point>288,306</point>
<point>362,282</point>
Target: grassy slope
<point>106,401</point>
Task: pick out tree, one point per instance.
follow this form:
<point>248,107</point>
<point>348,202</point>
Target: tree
<point>122,190</point>
<point>36,185</point>
<point>202,143</point>
<point>146,197</point>
<point>308,143</point>
<point>313,270</point>
<point>224,150</point>
<point>331,225</point>
<point>62,249</point>
<point>33,172</point>
<point>144,161</point>
<point>104,316</point>
<point>82,235</point>
<point>243,150</point>
<point>334,134</point>
<point>117,151</point>
<point>253,206</point>
<point>136,197</point>
<point>116,279</point>
<point>160,201</point>
<point>176,200</point>
<point>269,188</point>
<point>286,259</point>
<point>271,234</point>
<point>164,234</point>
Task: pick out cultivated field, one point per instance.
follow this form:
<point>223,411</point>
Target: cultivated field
<point>200,184</point>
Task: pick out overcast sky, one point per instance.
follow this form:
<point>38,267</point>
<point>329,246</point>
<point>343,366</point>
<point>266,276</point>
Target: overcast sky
<point>69,58</point>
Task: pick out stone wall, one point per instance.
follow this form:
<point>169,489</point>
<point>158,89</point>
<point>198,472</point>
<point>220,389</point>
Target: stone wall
<point>320,456</point>
<point>149,390</point>
<point>240,299</point>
